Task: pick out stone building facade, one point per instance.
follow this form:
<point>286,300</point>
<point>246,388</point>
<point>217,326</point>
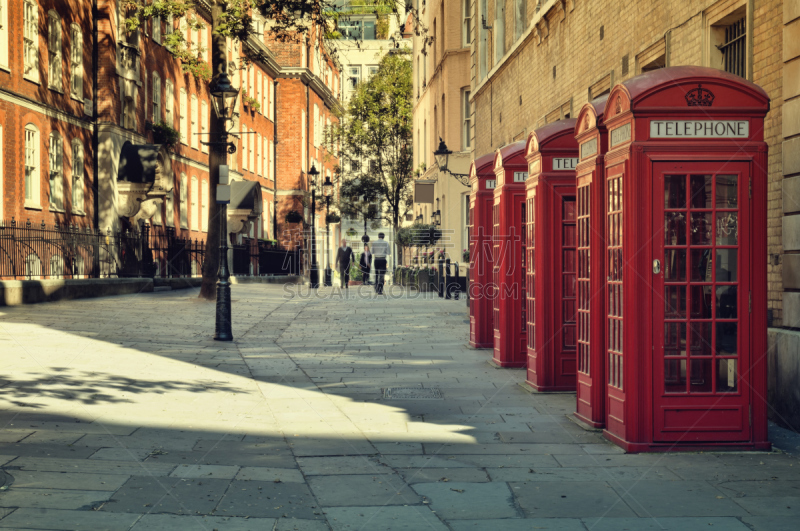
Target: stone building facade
<point>533,62</point>
<point>442,109</point>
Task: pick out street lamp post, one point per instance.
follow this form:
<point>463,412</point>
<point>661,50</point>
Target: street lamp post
<point>223,95</point>
<point>327,192</point>
<point>313,274</point>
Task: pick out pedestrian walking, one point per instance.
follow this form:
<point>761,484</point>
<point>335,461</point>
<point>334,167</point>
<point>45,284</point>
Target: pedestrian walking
<point>365,263</point>
<point>380,250</point>
<point>344,258</point>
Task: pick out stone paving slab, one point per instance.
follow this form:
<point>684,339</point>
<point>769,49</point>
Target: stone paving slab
<point>396,518</point>
<point>286,428</point>
<point>26,518</point>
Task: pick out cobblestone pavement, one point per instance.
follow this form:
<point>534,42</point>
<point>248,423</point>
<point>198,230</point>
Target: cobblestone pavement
<point>121,413</point>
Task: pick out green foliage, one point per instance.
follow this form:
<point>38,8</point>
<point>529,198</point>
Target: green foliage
<point>375,134</point>
<point>355,269</point>
<point>250,101</point>
<point>164,134</point>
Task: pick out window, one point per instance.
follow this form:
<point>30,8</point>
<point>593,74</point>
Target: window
<point>264,153</point>
<point>76,62</point>
<point>316,125</point>
<point>466,117</point>
<point>371,71</point>
<point>3,37</point>
<point>156,98</point>
<point>264,98</point>
<point>170,207</point>
<point>204,125</point>
<point>156,220</point>
<point>358,30</point>
<point>157,30</point>
<point>483,44</point>
<point>193,118</point>
<point>169,103</point>
<point>128,94</point>
<point>272,101</point>
<point>734,47</point>
<point>56,172</point>
<point>204,211</point>
<point>251,163</point>
<point>204,43</point>
<point>170,26</point>
<point>194,195</point>
<point>183,203</point>
<point>30,40</point>
<point>244,147</point>
<point>31,166</point>
<point>251,82</point>
<point>257,95</point>
<point>466,26</point>
<point>55,63</point>
<point>258,164</point>
<point>77,176</point>
<point>353,77</point>
<point>303,140</point>
<point>520,18</point>
<point>499,27</point>
<point>184,117</point>
<point>272,158</point>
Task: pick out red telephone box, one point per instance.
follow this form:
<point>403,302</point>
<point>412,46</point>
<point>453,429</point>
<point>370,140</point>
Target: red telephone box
<point>508,220</point>
<point>482,180</point>
<point>591,134</point>
<point>686,297</point>
<point>552,155</point>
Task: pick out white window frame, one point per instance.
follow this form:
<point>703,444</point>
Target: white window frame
<point>265,156</point>
<point>272,100</point>
<point>272,160</point>
<point>316,125</point>
<point>203,126</point>
<point>245,166</point>
<point>157,30</point>
<point>170,25</point>
<point>259,162</point>
<point>32,163</point>
<point>169,103</point>
<point>156,98</point>
<point>204,206</point>
<point>251,162</point>
<point>499,28</point>
<point>78,177</point>
<point>55,53</point>
<point>171,199</point>
<point>183,110</point>
<point>520,18</point>
<point>194,203</point>
<point>183,197</point>
<point>204,43</point>
<point>3,41</point>
<point>258,91</point>
<point>56,157</point>
<point>30,41</point>
<point>76,63</point>
<point>466,25</point>
<point>193,111</point>
<point>303,127</point>
<point>466,120</point>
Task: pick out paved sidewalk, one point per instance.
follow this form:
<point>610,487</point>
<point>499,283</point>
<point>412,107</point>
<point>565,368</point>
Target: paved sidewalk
<point>121,413</point>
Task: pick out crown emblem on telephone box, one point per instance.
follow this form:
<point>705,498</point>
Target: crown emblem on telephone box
<point>699,97</point>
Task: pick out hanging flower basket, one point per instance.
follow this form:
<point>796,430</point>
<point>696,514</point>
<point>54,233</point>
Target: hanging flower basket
<point>293,216</point>
<point>352,232</point>
<point>333,218</point>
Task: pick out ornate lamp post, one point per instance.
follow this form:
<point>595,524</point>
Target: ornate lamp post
<point>327,192</point>
<point>223,95</point>
<point>442,154</point>
<point>437,218</point>
<point>313,274</point>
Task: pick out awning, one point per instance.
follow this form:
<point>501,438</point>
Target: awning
<point>245,195</point>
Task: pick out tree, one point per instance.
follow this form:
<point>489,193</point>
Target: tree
<point>287,20</point>
<point>375,135</point>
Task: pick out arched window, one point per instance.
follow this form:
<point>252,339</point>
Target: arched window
<point>194,195</point>
<point>33,266</point>
<point>183,206</point>
<point>77,176</point>
<point>56,171</point>
<point>56,266</point>
<point>184,117</point>
<point>204,211</point>
<point>32,187</point>
<point>76,62</point>
<point>30,40</point>
<point>156,98</point>
<point>204,125</point>
<point>193,110</point>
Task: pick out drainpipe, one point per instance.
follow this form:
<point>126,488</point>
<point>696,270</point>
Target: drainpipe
<point>95,133</point>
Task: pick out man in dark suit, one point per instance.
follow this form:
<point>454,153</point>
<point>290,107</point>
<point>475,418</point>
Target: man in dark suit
<point>365,263</point>
<point>344,257</point>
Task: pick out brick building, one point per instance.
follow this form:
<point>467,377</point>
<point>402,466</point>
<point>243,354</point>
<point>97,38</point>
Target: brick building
<point>46,94</point>
<point>533,62</point>
<point>139,175</point>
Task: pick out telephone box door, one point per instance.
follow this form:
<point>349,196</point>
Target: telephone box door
<point>701,287</point>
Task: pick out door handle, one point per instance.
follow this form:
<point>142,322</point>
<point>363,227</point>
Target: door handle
<point>656,266</point>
